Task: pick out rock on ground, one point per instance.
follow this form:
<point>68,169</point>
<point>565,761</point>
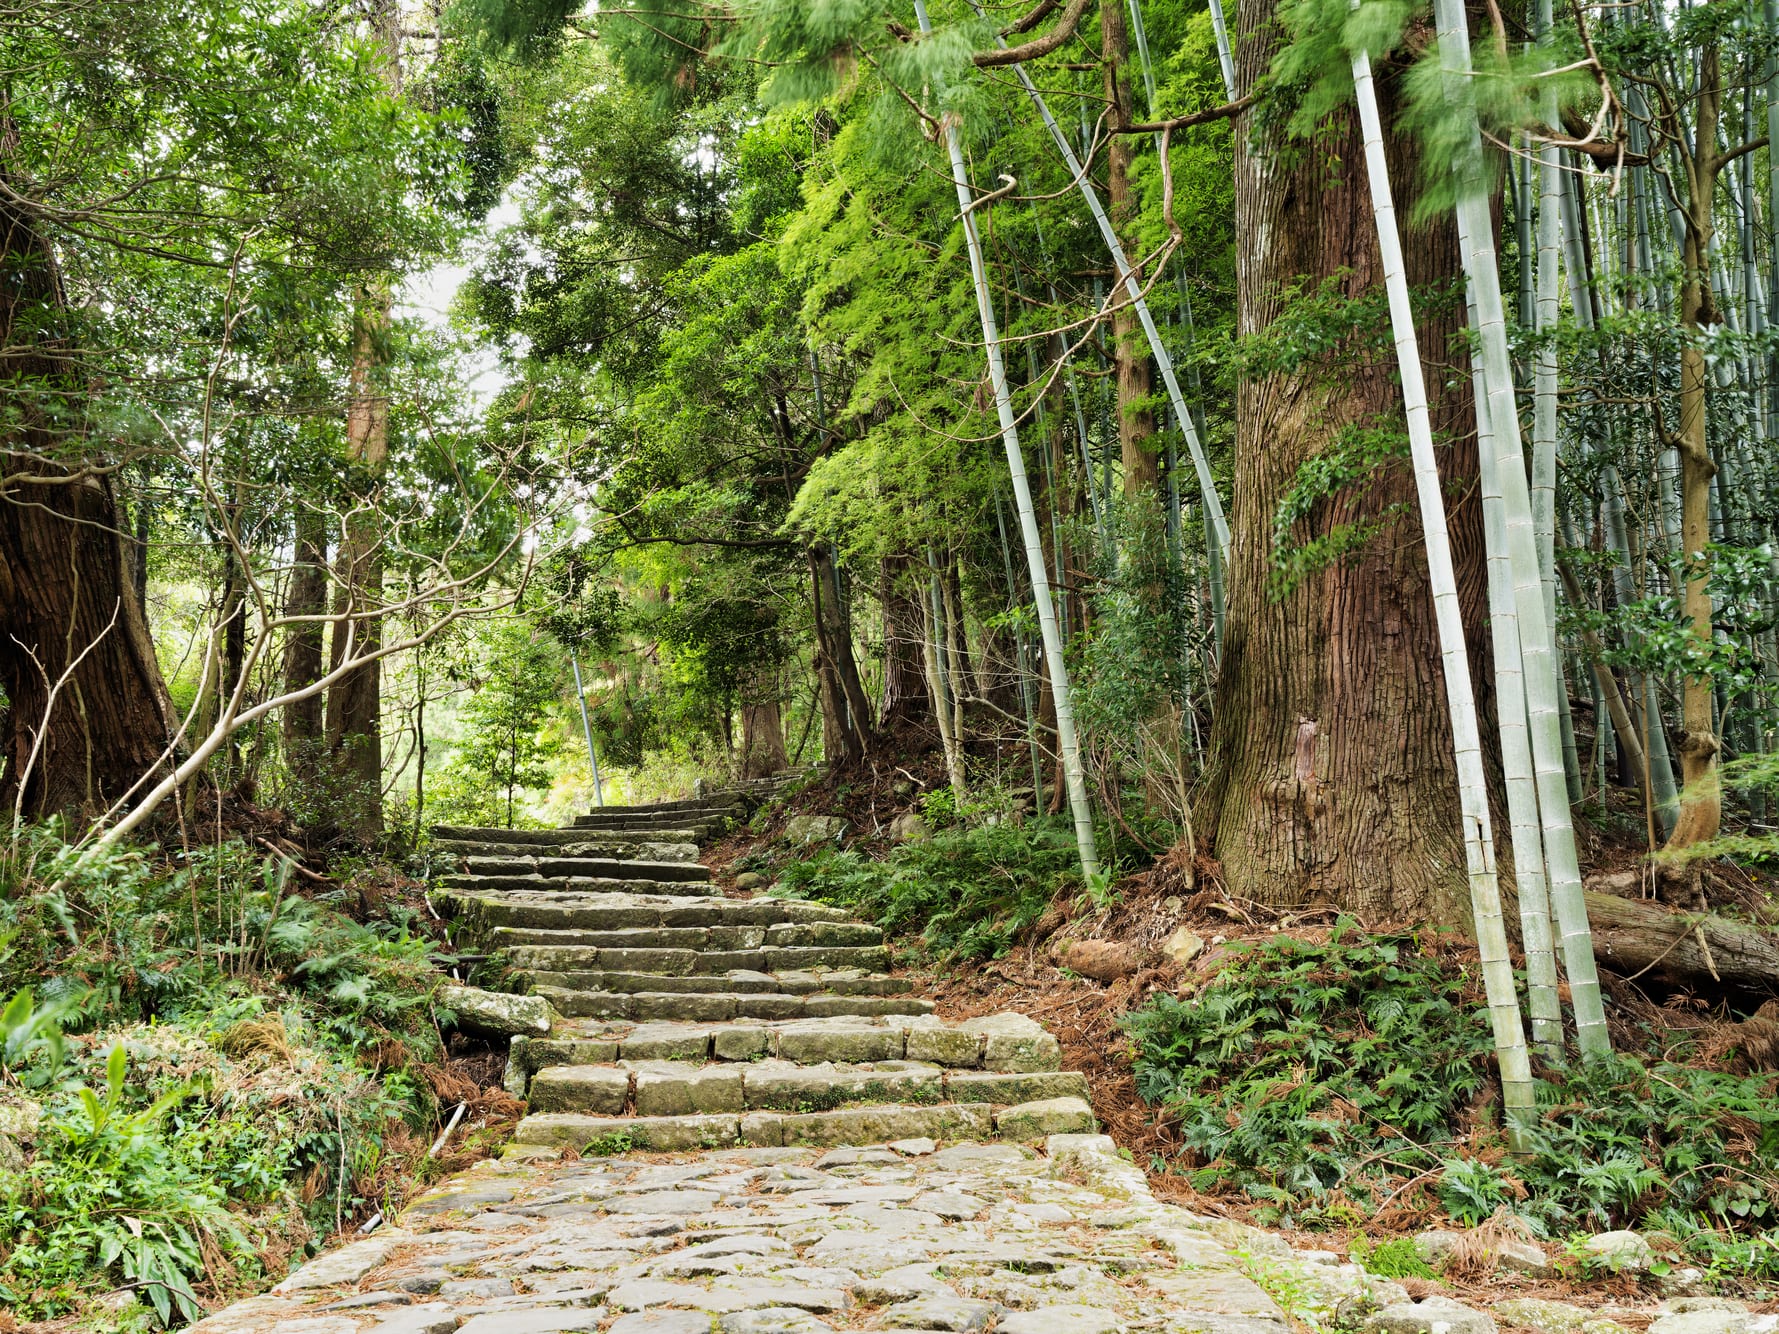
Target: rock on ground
<point>494,1013</point>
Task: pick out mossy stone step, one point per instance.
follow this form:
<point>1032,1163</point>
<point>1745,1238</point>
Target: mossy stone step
<point>556,919</point>
<point>840,981</point>
<point>548,840</point>
<point>875,1124</point>
<point>598,868</point>
<point>575,884</point>
<point>667,820</point>
<point>711,962</point>
<point>681,1088</point>
<point>721,1006</point>
<point>584,950</point>
<point>999,1044</point>
<point>714,801</point>
<point>611,847</point>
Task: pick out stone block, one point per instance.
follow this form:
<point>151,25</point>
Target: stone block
<point>879,1125</point>
<point>684,1006</point>
<point>666,1088</point>
<point>818,1043</point>
<point>1619,1252</point>
<point>786,1087</point>
<point>741,1043</point>
<point>1004,1088</point>
<point>956,1047</point>
<point>599,1090</point>
<point>1436,1315</point>
<point>665,1042</point>
<point>1013,1042</point>
<point>806,829</point>
<point>1030,1121</point>
<point>764,1128</point>
<point>495,1014</point>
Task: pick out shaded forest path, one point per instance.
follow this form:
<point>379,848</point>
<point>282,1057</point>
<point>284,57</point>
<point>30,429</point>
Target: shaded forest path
<point>740,1121</point>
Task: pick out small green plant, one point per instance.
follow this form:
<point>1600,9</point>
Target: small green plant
<point>967,892</point>
<point>32,1051</point>
<point>609,1145</point>
<point>1472,1190</point>
<point>1395,1258</point>
<point>106,1193</point>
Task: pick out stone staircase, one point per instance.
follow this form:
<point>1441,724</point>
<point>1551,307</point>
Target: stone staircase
<point>689,1018</point>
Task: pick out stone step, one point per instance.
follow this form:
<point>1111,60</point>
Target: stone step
<point>557,919</point>
<point>597,1136</point>
<point>715,962</point>
<point>548,839</point>
<point>714,801</point>
<point>842,982</point>
<point>598,868</point>
<point>583,950</point>
<point>1007,1043</point>
<point>680,1088</point>
<point>615,847</point>
<point>716,1006</point>
<point>659,819</point>
<point>577,884</point>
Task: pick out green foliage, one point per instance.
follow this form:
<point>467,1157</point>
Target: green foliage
<point>1306,1074</point>
<point>1395,1258</point>
<point>517,685</point>
<point>967,892</point>
<point>233,1105</point>
<point>31,1047</point>
<point>1290,1065</point>
<point>105,1191</point>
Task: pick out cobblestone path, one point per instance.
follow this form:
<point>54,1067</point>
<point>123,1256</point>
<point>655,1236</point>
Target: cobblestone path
<point>767,1135</point>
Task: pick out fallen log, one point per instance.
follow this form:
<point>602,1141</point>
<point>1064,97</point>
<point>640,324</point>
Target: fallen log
<point>1640,938</point>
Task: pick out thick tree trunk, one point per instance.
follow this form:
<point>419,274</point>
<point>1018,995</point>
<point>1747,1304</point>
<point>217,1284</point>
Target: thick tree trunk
<point>307,596</point>
<point>355,701</point>
<point>906,698</point>
<point>762,728</point>
<point>1331,765</point>
<point>846,716</point>
<point>69,610</point>
<point>1701,797</point>
<point>1136,419</point>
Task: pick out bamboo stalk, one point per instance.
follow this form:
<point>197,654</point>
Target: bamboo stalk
<point>1477,241</point>
<point>1067,740</point>
<point>1473,793</point>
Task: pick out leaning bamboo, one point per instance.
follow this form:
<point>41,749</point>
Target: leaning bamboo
<point>1477,244</point>
<point>1473,790</point>
<point>1216,523</point>
<point>1067,741</point>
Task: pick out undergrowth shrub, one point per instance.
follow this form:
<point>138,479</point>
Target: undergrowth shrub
<point>219,1069</point>
<point>1324,1078</point>
<point>966,893</point>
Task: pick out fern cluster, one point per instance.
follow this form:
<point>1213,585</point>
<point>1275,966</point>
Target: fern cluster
<point>1323,1078</point>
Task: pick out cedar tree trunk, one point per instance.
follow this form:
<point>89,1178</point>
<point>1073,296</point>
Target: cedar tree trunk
<point>1332,776</point>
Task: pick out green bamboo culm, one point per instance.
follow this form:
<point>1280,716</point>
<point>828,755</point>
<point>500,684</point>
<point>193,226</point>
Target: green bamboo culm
<point>1473,792</point>
<point>1477,245</point>
<point>1068,742</point>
